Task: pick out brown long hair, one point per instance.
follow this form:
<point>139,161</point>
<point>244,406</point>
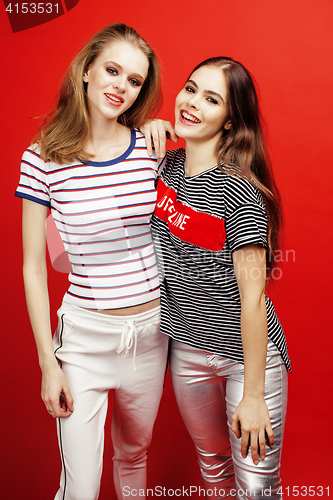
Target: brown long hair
<point>64,133</point>
<point>242,149</point>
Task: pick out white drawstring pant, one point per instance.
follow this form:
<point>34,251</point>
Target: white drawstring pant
<point>99,352</point>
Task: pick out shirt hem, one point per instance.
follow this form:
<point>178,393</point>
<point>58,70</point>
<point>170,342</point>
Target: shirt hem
<point>110,305</point>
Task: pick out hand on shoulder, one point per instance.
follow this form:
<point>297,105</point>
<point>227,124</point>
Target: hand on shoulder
<point>157,132</point>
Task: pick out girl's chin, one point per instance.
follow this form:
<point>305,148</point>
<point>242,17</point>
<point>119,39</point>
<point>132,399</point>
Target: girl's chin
<point>183,131</point>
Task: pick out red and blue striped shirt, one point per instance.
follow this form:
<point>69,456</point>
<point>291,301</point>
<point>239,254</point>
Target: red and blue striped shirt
<point>102,211</point>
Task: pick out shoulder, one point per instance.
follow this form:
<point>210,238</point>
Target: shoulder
<point>172,163</point>
<point>240,191</point>
<point>138,136</point>
<point>32,158</point>
<point>33,151</point>
<point>138,140</point>
<point>176,155</point>
<point>139,147</point>
<point>175,158</point>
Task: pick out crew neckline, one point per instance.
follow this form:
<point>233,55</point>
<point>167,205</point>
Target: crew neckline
<point>188,178</point>
<point>120,158</point>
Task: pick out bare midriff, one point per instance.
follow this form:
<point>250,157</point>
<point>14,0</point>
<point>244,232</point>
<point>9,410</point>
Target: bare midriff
<point>129,311</point>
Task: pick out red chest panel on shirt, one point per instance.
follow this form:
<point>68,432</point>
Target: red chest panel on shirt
<point>200,229</point>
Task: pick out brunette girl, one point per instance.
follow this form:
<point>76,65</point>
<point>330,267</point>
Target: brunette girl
<point>216,229</point>
<point>90,167</point>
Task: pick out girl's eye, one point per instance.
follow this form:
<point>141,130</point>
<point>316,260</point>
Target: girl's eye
<point>112,71</point>
<point>136,83</point>
<point>189,89</point>
<point>212,100</point>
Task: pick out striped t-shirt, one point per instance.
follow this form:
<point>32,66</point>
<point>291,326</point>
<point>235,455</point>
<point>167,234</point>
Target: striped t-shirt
<point>198,222</point>
<point>102,211</point>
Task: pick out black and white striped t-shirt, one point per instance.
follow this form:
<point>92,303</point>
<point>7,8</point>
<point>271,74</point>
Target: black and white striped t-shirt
<point>198,223</point>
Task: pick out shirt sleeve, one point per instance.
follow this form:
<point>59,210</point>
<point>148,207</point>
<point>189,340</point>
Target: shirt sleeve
<point>33,183</point>
<point>246,221</point>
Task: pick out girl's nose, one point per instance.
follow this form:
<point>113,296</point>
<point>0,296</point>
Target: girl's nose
<point>120,84</point>
<point>193,102</point>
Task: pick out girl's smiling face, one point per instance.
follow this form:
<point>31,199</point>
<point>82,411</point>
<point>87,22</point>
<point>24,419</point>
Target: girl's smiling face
<point>201,109</point>
<point>115,79</point>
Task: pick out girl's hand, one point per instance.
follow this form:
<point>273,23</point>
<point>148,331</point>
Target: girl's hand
<point>55,392</point>
<point>156,133</point>
<point>251,423</point>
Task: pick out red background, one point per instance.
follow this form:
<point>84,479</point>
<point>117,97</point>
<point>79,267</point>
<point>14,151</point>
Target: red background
<point>287,45</point>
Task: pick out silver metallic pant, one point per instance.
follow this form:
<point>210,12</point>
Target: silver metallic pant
<point>208,389</point>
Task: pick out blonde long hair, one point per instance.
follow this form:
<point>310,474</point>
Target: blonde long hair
<point>64,133</point>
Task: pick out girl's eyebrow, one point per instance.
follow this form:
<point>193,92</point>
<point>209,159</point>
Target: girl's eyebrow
<point>118,66</point>
<point>211,92</point>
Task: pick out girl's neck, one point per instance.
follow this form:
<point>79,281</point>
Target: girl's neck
<point>107,140</point>
<point>199,158</point>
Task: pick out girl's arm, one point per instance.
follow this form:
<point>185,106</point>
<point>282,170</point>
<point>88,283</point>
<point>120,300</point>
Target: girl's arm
<point>55,392</point>
<point>251,420</point>
<point>156,133</point>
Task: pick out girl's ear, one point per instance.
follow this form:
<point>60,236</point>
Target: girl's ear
<point>227,125</point>
<point>86,75</point>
